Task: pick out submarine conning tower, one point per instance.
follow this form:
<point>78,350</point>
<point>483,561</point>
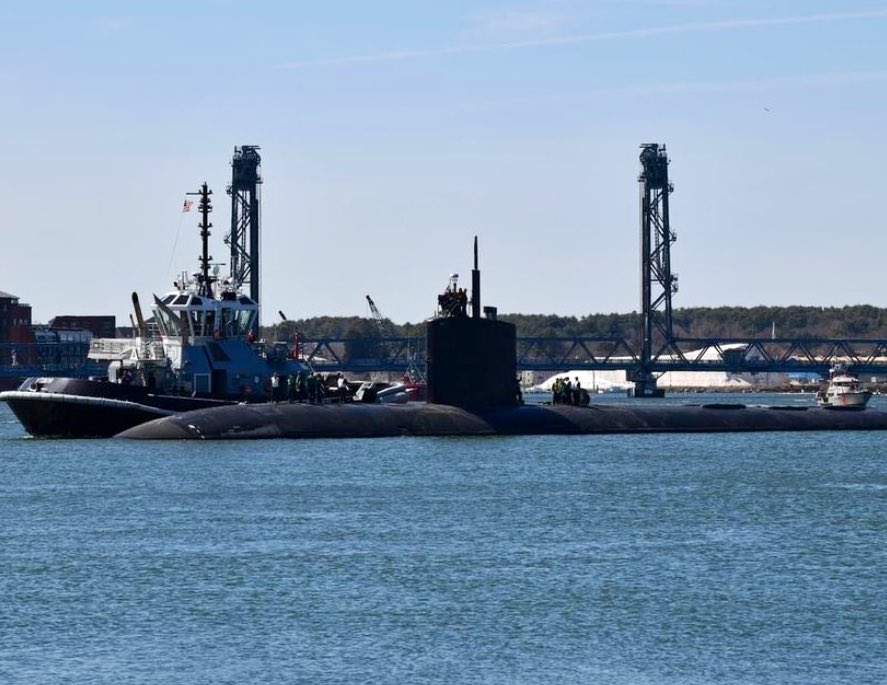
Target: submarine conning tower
<point>471,361</point>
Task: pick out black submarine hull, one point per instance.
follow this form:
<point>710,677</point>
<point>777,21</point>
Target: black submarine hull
<point>367,421</point>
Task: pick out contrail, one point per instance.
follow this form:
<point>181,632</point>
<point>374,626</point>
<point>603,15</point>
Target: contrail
<point>698,27</point>
<point>773,83</point>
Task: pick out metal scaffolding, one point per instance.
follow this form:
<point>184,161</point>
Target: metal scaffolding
<point>244,236</point>
<point>658,284</point>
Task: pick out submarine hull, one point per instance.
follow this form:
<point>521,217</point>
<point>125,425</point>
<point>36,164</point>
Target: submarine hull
<point>286,420</point>
<point>365,421</point>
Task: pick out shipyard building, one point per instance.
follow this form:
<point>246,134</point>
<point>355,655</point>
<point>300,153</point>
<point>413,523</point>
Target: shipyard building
<point>15,319</point>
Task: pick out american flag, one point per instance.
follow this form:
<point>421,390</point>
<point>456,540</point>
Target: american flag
<point>186,205</point>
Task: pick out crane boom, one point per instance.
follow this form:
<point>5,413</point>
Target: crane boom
<point>386,330</point>
<point>381,321</point>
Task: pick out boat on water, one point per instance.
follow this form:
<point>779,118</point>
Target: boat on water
<point>199,351</point>
<point>843,391</point>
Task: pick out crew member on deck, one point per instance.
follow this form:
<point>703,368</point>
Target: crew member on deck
<point>292,387</point>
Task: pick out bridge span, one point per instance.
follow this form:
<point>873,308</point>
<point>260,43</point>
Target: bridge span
<point>555,354</point>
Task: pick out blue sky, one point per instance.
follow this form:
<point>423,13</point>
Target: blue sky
<point>393,132</point>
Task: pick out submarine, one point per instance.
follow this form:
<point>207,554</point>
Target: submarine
<point>472,391</point>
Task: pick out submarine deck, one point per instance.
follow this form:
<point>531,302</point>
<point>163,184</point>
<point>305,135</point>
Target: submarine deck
<point>364,421</point>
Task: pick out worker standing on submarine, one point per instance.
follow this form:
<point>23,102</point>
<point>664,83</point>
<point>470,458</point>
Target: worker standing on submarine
<point>275,387</point>
<point>320,388</point>
<point>310,388</point>
<point>342,387</point>
<point>300,386</point>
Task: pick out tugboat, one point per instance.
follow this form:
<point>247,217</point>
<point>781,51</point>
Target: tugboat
<point>843,391</point>
<point>200,351</point>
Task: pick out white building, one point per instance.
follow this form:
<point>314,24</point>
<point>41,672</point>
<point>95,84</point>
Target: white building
<point>609,381</point>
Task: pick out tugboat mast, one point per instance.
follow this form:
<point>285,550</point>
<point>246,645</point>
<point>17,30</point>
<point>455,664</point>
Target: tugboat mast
<point>205,287</point>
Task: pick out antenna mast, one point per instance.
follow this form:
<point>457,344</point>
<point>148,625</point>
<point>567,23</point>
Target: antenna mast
<point>205,285</point>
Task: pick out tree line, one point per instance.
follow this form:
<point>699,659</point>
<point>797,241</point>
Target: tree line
<point>857,321</point>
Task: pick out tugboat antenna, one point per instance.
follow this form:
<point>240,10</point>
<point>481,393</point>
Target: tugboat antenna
<point>205,288</point>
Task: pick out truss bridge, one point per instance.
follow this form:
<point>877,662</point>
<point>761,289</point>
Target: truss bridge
<point>555,354</point>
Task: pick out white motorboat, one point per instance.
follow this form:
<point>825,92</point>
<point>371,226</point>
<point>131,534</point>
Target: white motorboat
<point>843,391</point>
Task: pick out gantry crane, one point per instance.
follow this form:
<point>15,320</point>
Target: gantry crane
<point>243,239</point>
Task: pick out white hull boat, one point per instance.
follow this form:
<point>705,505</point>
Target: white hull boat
<point>843,391</point>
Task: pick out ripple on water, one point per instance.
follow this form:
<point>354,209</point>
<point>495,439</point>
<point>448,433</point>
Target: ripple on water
<point>613,559</point>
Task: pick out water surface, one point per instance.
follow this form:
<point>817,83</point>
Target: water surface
<point>731,558</point>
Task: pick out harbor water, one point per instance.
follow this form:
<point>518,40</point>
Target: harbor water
<point>637,559</point>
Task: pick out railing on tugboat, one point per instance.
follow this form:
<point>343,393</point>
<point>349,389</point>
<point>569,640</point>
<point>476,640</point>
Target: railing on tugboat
<point>119,348</point>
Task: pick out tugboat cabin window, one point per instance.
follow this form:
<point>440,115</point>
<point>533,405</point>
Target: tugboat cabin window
<point>210,323</point>
<point>245,319</point>
<point>235,323</point>
<point>196,323</point>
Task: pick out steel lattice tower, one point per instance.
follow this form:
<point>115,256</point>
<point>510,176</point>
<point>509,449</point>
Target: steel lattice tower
<point>244,236</point>
<point>658,284</point>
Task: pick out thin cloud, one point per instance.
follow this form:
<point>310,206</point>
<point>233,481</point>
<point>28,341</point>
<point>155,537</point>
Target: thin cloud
<point>752,85</point>
<point>697,27</point>
<point>823,80</point>
<point>113,25</point>
<point>515,21</point>
<point>664,3</point>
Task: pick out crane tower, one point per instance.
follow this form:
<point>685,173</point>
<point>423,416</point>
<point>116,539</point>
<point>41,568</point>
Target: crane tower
<point>244,236</point>
<point>658,284</point>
